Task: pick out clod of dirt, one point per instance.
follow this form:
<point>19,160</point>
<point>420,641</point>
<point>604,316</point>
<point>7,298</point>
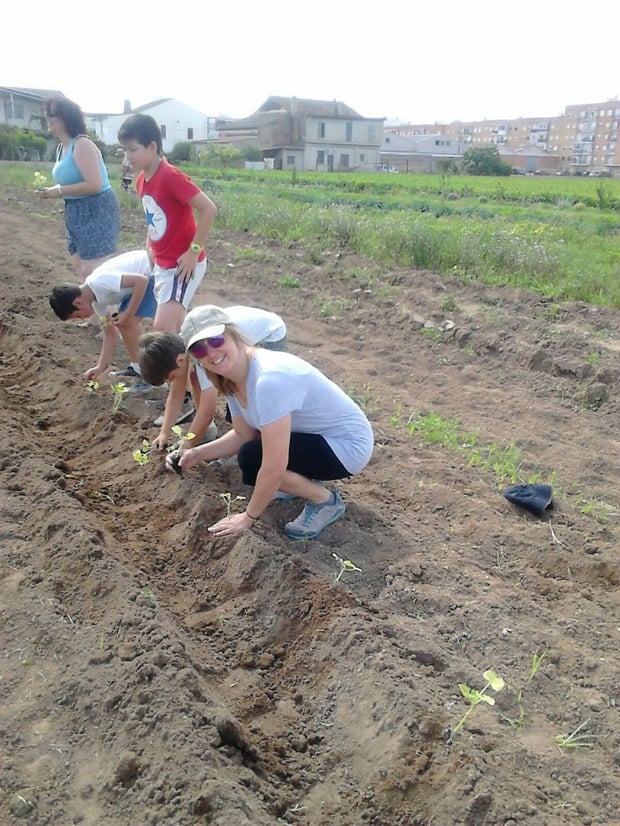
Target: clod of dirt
<point>174,461</point>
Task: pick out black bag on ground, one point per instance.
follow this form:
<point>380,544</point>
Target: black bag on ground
<point>534,498</point>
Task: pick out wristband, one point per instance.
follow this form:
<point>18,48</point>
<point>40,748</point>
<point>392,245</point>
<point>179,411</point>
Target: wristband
<point>59,191</point>
<point>253,518</point>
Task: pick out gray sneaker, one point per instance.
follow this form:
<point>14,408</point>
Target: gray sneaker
<point>140,387</point>
<point>314,518</point>
<point>210,435</point>
<point>127,373</point>
<point>187,411</point>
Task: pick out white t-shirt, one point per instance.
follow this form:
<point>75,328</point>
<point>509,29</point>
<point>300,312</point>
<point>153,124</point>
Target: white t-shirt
<point>105,280</point>
<point>280,383</point>
<point>255,325</point>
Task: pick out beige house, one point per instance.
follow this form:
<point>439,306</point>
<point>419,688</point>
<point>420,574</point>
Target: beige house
<point>294,133</point>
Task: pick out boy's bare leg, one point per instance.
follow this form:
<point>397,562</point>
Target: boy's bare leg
<point>130,333</point>
<point>169,317</point>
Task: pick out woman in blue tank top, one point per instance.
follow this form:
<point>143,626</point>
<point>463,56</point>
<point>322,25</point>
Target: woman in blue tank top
<point>92,213</point>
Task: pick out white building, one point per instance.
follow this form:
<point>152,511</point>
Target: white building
<point>178,122</point>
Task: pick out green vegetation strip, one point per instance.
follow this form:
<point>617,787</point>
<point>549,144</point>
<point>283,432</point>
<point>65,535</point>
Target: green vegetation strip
<point>506,463</point>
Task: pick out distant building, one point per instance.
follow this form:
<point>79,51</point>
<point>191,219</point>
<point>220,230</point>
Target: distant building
<point>582,140</point>
<point>419,152</point>
<point>178,122</point>
<point>23,108</point>
<point>530,160</point>
<point>295,133</point>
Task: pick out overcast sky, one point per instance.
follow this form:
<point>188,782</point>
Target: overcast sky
<point>404,60</point>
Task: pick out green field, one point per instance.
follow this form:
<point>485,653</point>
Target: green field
<point>558,236</point>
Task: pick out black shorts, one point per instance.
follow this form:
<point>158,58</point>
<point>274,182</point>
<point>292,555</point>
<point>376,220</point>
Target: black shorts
<point>308,454</point>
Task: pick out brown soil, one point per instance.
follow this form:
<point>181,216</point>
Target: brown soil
<point>154,675</point>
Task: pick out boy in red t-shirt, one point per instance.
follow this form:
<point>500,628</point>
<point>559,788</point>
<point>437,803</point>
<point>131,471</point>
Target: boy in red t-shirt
<point>175,239</point>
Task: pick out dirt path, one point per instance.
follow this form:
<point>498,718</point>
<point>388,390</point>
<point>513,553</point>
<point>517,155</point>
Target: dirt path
<point>152,675</point>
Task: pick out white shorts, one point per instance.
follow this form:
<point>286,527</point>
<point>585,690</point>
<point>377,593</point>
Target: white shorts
<point>169,287</point>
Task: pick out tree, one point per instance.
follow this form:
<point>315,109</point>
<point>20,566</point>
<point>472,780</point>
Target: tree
<point>222,155</point>
<point>181,151</point>
<point>21,144</point>
<point>484,160</point>
<point>253,153</point>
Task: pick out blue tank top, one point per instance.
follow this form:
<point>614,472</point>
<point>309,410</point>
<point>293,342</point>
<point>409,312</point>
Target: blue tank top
<point>65,170</point>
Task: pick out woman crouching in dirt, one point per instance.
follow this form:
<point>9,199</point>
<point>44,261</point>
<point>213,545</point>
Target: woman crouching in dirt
<point>291,426</point>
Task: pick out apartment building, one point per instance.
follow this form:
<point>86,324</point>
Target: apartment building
<point>583,140</point>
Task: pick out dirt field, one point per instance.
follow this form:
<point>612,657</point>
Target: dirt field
<point>153,675</point>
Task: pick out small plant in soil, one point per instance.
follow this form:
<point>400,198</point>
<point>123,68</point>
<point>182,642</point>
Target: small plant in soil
<point>118,391</point>
<point>575,739</point>
<point>289,281</point>
<point>476,696</point>
<point>142,454</point>
<point>537,660</point>
<point>229,501</point>
<point>149,596</point>
<point>344,565</point>
<point>92,386</point>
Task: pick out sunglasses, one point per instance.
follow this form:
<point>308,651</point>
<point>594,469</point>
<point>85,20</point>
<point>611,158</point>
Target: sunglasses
<point>200,349</point>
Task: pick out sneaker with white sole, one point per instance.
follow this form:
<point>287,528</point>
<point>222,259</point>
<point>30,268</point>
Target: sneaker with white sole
<point>315,518</point>
<point>128,373</point>
<point>187,411</point>
<point>210,435</point>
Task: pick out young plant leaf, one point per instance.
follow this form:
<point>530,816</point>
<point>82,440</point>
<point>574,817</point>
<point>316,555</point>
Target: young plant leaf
<point>494,680</point>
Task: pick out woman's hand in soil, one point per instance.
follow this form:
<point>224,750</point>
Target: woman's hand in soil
<point>230,525</point>
<point>189,458</point>
<point>173,462</point>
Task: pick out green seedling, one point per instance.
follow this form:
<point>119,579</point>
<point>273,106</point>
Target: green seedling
<point>474,696</point>
<point>149,596</point>
<point>118,391</point>
<point>92,386</point>
<point>141,455</point>
<point>289,281</point>
<point>345,565</point>
<point>575,740</point>
<point>229,501</point>
<point>537,660</point>
<point>40,180</point>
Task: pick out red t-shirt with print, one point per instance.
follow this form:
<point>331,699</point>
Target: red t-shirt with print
<point>169,217</point>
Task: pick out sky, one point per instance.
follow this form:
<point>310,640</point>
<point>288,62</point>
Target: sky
<point>407,61</point>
